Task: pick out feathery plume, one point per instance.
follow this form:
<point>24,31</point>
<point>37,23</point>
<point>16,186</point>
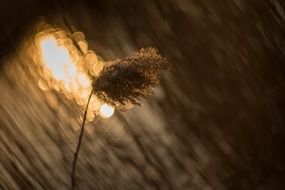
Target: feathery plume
<point>128,80</point>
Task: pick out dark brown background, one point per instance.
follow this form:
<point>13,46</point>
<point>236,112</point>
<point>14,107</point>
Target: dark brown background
<point>216,121</point>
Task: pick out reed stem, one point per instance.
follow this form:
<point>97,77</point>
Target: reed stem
<point>79,144</point>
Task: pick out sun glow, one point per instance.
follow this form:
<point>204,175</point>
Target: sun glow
<point>64,69</point>
<point>59,63</point>
<point>106,111</point>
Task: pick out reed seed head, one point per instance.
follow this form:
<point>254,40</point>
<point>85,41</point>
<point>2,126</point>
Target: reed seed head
<point>130,79</point>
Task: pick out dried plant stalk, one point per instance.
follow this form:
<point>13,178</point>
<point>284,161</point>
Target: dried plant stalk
<point>79,143</point>
<point>124,81</point>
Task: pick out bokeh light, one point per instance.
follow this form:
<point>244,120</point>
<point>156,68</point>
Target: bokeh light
<point>106,111</point>
<point>66,69</point>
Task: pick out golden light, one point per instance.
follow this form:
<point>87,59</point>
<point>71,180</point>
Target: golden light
<point>59,62</point>
<point>106,111</point>
<point>64,69</point>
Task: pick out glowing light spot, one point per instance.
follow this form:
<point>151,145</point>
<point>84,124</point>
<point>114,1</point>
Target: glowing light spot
<point>61,65</point>
<point>106,111</point>
<point>83,81</point>
<point>42,85</point>
<point>63,68</point>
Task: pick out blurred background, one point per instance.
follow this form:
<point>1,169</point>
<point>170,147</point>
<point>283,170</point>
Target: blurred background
<point>215,122</point>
